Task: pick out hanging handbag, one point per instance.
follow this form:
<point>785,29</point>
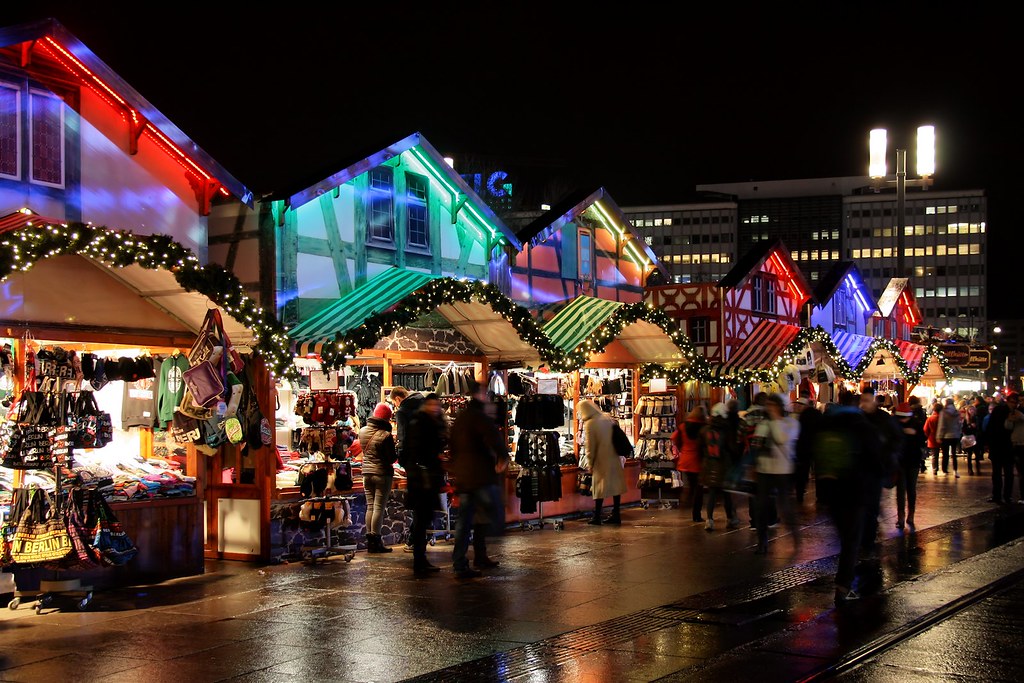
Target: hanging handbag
<point>41,535</point>
<point>207,339</point>
<point>29,448</point>
<point>91,427</point>
<point>185,429</point>
<point>109,537</point>
<point>84,556</point>
<point>204,384</point>
<point>584,482</point>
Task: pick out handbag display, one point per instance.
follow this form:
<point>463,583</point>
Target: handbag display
<point>90,426</point>
<point>41,536</point>
<point>584,482</point>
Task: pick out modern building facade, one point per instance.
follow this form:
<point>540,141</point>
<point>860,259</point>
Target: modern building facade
<point>826,220</point>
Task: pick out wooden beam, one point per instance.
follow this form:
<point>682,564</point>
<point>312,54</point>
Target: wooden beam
<point>234,237</point>
<point>136,126</point>
<point>335,248</point>
<point>458,201</point>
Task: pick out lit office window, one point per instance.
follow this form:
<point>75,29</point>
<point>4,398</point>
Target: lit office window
<point>940,249</point>
<point>975,248</point>
<point>855,253</point>
<point>835,234</point>
<point>835,254</point>
<point>657,222</point>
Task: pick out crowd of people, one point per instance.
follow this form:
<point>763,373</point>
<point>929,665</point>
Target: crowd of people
<point>856,450</point>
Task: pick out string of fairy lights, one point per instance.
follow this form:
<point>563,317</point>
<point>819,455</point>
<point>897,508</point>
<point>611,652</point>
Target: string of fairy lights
<point>22,248</point>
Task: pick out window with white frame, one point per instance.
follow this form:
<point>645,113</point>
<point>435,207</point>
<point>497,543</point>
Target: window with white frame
<point>586,255</point>
<point>839,307</point>
<point>380,207</point>
<point>416,207</point>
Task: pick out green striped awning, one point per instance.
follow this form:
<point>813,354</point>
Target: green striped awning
<point>350,311</point>
<point>573,324</point>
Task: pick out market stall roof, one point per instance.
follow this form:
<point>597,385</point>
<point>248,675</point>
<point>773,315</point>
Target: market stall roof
<point>914,355</point>
<point>761,350</point>
<point>476,319</point>
<point>585,316</point>
<point>883,363</point>
<point>81,280</point>
<point>49,45</point>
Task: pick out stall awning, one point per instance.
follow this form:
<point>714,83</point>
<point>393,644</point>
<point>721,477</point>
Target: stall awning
<point>81,292</point>
<point>350,311</point>
<point>647,342</point>
<point>767,341</point>
<point>852,347</point>
<point>913,354</point>
<point>488,330</point>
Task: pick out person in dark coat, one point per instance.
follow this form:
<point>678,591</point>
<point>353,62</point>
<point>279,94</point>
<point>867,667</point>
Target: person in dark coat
<point>809,417</point>
<point>478,460</point>
<point>911,456</point>
<point>718,448</point>
<point>844,476</point>
<point>1000,450</point>
<point>426,440</point>
<point>886,445</point>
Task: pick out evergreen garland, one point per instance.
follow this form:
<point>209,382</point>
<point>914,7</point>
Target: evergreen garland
<point>21,249</point>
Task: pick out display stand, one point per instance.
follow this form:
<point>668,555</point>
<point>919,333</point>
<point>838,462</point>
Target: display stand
<point>312,553</point>
<point>657,416</point>
<point>51,589</point>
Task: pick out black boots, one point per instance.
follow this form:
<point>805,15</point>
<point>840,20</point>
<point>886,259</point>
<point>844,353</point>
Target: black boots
<point>375,544</point>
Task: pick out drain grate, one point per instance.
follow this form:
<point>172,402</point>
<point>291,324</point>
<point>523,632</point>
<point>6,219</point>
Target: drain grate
<point>611,632</point>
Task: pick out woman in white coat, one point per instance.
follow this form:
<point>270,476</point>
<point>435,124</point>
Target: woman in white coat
<point>605,463</point>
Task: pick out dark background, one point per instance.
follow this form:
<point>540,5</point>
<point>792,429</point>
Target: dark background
<point>647,102</point>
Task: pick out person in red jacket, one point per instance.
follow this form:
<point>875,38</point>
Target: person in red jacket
<point>685,443</point>
<point>931,426</point>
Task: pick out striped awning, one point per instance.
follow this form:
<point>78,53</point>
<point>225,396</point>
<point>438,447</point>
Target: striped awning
<point>760,351</point>
<point>350,311</point>
<point>913,354</point>
<point>487,329</point>
<point>852,347</point>
<point>573,324</point>
<point>25,219</point>
<point>585,315</point>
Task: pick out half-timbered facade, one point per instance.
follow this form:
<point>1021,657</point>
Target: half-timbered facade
<point>583,246</point>
<point>401,206</point>
<point>897,313</point>
<point>78,143</point>
<point>764,285</point>
<point>842,301</point>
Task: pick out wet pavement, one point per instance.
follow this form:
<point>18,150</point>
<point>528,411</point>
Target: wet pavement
<point>655,598</point>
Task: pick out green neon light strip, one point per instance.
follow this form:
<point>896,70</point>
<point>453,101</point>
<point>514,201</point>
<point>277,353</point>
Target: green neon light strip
<point>439,177</point>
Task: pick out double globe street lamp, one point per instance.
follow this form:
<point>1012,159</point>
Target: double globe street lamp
<point>877,144</point>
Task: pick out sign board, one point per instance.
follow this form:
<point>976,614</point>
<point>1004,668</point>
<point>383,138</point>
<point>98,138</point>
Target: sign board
<point>323,381</point>
<point>980,359</point>
<point>957,354</point>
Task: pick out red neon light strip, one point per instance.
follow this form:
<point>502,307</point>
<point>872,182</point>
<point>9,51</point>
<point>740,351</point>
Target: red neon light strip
<point>93,80</point>
<point>790,279</point>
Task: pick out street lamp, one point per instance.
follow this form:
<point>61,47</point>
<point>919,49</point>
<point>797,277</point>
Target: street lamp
<point>925,168</point>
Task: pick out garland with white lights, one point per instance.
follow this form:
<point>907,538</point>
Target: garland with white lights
<point>706,374</point>
<point>428,298</point>
<point>21,249</point>
<point>624,316</point>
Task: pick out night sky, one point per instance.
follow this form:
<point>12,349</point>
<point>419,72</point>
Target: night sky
<point>647,103</point>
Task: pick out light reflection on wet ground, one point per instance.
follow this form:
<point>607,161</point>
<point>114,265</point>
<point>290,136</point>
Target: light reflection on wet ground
<point>557,609</point>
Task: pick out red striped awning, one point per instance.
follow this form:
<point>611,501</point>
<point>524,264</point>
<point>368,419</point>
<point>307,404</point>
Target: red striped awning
<point>24,219</point>
<point>912,353</point>
<point>760,351</point>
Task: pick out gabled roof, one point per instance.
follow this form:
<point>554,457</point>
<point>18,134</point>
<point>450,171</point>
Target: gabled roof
<point>899,289</point>
<point>828,284</point>
<point>428,156</point>
<point>573,205</point>
<point>49,39</point>
<point>755,258</point>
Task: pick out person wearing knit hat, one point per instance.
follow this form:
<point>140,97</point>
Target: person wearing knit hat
<point>382,411</point>
<point>378,448</point>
